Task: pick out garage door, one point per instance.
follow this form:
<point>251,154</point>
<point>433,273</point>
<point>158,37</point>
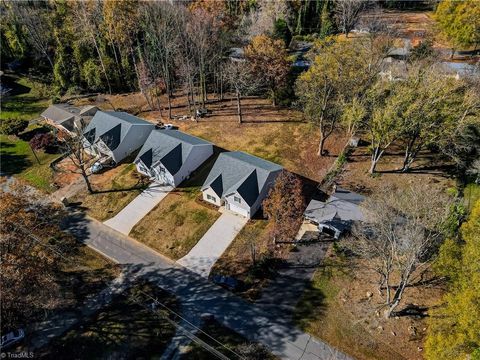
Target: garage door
<point>238,209</point>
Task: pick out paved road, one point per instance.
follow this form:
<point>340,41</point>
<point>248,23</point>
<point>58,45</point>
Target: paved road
<point>131,214</point>
<point>198,295</point>
<point>212,245</point>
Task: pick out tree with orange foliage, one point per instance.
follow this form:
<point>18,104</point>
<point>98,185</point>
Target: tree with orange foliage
<point>31,243</point>
<point>268,59</point>
<point>284,206</point>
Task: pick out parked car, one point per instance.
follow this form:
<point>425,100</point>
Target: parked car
<point>12,338</point>
<point>226,282</point>
<point>101,164</point>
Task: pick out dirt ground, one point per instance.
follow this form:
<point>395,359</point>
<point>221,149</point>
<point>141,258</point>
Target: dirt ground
<point>428,169</point>
<point>274,133</point>
<point>66,173</point>
<point>343,306</point>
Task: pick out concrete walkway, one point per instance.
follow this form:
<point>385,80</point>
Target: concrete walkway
<point>212,245</point>
<point>131,214</point>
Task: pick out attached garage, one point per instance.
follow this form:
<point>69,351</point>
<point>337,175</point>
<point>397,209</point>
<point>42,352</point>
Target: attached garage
<point>237,209</point>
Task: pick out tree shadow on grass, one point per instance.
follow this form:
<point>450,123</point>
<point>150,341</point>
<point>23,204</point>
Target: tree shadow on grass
<point>29,134</point>
<point>12,163</point>
<point>311,306</point>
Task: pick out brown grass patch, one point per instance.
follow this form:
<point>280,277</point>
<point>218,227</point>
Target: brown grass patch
<point>175,225</point>
<point>277,134</point>
<point>114,188</point>
<point>335,308</point>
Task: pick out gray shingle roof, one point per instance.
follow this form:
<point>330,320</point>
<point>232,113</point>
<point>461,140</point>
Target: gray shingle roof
<point>343,205</point>
<point>112,127</point>
<point>170,147</point>
<point>239,171</point>
<point>59,113</point>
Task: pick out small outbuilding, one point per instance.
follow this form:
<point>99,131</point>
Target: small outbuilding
<point>170,156</point>
<point>337,214</point>
<point>68,118</point>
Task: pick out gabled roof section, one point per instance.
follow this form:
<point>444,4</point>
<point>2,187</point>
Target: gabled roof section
<point>113,126</point>
<point>240,171</point>
<point>173,160</point>
<point>112,137</point>
<point>176,144</point>
<point>217,185</point>
<point>342,205</point>
<point>346,195</point>
<point>146,158</point>
<point>248,190</point>
<point>90,135</point>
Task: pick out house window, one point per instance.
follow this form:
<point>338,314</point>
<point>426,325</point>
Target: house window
<point>237,199</point>
<point>211,198</point>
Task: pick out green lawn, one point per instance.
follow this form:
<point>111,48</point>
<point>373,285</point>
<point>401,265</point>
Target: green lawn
<point>125,329</point>
<point>29,99</point>
<point>17,159</point>
<point>175,225</point>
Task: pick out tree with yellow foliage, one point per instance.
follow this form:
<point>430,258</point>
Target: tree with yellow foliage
<point>268,59</point>
<point>454,331</point>
<point>459,21</point>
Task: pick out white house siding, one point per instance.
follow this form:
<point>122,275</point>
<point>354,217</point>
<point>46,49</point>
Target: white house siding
<point>258,203</point>
<point>210,192</point>
<point>241,208</point>
<point>162,177</point>
<point>142,169</point>
<point>135,138</point>
<point>197,157</point>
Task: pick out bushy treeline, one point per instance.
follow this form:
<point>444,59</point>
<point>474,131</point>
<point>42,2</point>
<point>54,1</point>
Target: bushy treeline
<point>114,45</point>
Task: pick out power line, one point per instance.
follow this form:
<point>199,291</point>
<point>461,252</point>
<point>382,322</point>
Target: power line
<point>186,332</point>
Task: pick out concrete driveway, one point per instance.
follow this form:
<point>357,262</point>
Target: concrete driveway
<point>131,214</point>
<point>212,245</point>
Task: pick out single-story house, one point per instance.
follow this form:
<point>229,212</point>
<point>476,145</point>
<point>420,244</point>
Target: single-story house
<point>240,182</point>
<point>337,214</point>
<point>170,156</point>
<point>116,134</point>
<point>69,118</point>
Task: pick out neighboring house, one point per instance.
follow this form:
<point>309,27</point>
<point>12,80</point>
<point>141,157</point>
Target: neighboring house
<point>116,134</point>
<point>336,215</point>
<point>240,182</point>
<point>69,118</point>
<point>170,156</point>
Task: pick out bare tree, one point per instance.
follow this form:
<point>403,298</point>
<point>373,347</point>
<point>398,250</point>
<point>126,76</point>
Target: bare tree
<point>242,81</point>
<point>162,23</point>
<point>80,151</point>
<point>402,228</point>
<point>347,14</point>
<point>33,16</point>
